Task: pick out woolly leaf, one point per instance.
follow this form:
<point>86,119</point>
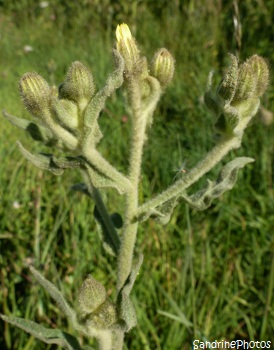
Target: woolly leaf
<point>126,311</point>
<point>41,161</point>
<point>35,130</point>
<point>161,214</point>
<point>55,294</point>
<point>225,181</point>
<point>93,134</point>
<point>48,336</point>
<point>100,180</point>
<point>134,273</point>
<point>50,162</point>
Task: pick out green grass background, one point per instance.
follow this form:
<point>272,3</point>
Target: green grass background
<point>206,275</point>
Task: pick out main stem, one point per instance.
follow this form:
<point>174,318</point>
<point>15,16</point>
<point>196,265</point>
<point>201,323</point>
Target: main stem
<point>137,141</point>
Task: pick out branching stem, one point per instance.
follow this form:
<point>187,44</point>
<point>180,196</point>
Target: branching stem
<point>205,165</point>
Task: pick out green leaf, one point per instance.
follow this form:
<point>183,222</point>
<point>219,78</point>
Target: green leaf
<point>35,130</point>
<point>126,310</point>
<point>48,336</point>
<point>214,189</point>
<point>127,287</point>
<point>50,162</point>
<point>55,294</point>
<point>41,161</point>
<point>92,131</point>
<point>161,214</point>
<point>106,236</point>
<point>100,180</point>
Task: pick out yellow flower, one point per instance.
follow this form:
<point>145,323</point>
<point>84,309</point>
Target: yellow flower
<point>127,47</point>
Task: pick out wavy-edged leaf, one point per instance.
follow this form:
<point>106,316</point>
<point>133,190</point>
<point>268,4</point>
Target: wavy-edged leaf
<point>67,162</point>
<point>127,287</point>
<point>41,161</point>
<point>214,189</point>
<point>126,310</point>
<point>55,294</point>
<point>35,130</point>
<point>92,131</point>
<point>48,336</point>
<point>108,234</point>
<point>161,214</point>
<point>50,162</point>
<point>100,180</point>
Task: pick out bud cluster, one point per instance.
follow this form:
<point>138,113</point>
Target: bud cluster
<point>94,306</point>
<point>244,82</point>
<point>236,99</point>
<point>162,64</point>
<point>66,107</point>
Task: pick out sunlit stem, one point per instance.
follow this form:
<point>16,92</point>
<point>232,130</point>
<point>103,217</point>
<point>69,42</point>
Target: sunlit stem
<point>137,141</point>
<point>205,165</point>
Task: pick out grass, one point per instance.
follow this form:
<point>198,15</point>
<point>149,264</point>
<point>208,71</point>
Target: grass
<point>206,275</point>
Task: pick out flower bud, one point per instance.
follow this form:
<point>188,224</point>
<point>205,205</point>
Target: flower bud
<point>78,85</point>
<point>127,47</point>
<point>246,84</point>
<point>66,112</point>
<point>35,92</point>
<point>253,79</point>
<point>162,67</point>
<point>261,73</point>
<point>227,87</point>
<point>91,295</point>
<point>104,316</point>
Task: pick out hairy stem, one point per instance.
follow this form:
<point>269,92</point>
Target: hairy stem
<point>100,163</point>
<point>104,339</point>
<point>137,142</point>
<point>205,165</point>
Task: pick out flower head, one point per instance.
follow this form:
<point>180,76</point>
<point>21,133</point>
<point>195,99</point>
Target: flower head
<point>79,84</point>
<point>35,92</point>
<point>127,47</point>
<point>162,67</point>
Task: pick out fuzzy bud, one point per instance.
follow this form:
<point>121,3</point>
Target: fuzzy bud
<point>246,86</point>
<point>92,294</point>
<point>227,87</point>
<point>127,47</point>
<point>35,93</point>
<point>162,67</point>
<point>253,79</point>
<point>104,317</point>
<point>66,112</point>
<point>261,73</point>
<point>79,85</point>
